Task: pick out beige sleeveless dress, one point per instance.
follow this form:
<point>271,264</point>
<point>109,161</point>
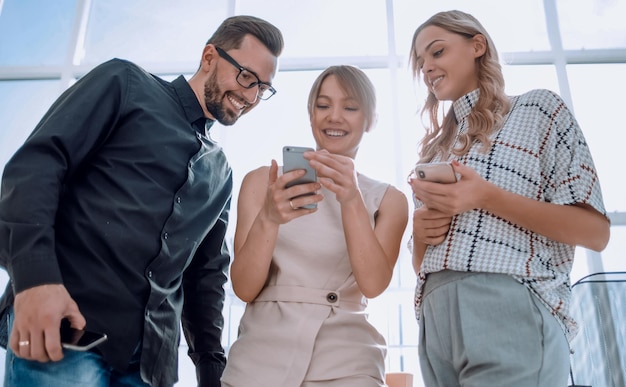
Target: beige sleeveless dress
<point>309,326</point>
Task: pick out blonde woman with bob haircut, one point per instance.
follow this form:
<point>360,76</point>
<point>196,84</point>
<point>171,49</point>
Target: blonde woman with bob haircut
<point>306,274</point>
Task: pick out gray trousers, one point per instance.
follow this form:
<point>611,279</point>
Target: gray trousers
<point>488,330</point>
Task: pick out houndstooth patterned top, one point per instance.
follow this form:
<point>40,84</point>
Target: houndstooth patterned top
<point>540,153</point>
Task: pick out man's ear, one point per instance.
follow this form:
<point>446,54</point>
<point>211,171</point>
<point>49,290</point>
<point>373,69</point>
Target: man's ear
<point>209,57</point>
<point>480,45</point>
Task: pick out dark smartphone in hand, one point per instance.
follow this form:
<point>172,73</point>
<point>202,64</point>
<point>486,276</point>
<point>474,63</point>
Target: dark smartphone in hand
<point>79,339</point>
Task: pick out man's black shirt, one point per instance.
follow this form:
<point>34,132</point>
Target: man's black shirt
<point>120,195</point>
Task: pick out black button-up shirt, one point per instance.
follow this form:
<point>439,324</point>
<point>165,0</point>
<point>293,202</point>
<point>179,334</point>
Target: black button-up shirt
<point>120,195</point>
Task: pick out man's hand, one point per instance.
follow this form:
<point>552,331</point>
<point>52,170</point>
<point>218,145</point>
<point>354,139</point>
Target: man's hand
<point>38,312</point>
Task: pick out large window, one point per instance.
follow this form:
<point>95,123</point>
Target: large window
<point>577,49</point>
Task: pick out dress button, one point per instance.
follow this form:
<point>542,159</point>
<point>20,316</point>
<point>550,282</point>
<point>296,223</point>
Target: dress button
<point>331,297</point>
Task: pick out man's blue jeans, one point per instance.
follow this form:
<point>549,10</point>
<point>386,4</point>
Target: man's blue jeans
<point>76,369</point>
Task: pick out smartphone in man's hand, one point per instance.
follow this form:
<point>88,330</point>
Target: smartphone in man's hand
<point>78,339</point>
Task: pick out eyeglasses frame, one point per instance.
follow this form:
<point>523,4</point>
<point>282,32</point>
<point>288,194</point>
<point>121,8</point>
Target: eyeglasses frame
<point>241,69</point>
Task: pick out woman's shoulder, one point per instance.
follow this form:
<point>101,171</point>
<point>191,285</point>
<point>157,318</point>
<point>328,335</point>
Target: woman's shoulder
<point>540,97</point>
<point>367,183</point>
<point>257,176</point>
<point>396,197</point>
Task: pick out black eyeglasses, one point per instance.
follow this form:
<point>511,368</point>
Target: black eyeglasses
<point>248,79</point>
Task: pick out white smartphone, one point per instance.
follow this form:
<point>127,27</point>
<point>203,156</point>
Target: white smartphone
<point>293,159</point>
<point>78,339</point>
<point>441,172</point>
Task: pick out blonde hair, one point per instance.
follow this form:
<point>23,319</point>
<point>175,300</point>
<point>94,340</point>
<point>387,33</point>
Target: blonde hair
<point>355,83</point>
<point>493,104</point>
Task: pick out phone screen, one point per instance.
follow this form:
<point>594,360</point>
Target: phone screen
<point>80,340</point>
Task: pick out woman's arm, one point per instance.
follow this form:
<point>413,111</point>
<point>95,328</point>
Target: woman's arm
<point>255,237</point>
<point>263,205</point>
<point>578,224</point>
<point>373,251</point>
<point>430,227</point>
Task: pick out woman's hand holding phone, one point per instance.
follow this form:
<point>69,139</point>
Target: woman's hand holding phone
<point>337,173</point>
<point>441,172</point>
<point>470,191</point>
<point>293,159</point>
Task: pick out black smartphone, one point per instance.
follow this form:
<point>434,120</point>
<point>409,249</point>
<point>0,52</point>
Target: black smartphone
<point>78,339</point>
<point>293,159</point>
<point>436,172</point>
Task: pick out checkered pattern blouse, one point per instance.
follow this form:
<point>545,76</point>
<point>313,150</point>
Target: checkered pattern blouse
<point>540,153</point>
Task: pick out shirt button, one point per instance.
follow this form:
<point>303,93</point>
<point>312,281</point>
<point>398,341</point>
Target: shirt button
<point>150,274</point>
<point>331,297</point>
<point>165,235</point>
<point>178,199</point>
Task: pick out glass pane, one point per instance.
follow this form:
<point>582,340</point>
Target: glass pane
<point>404,276</point>
<point>23,105</point>
<point>148,31</point>
<point>613,255</point>
<point>379,149</point>
<point>35,32</point>
<point>597,93</point>
<point>520,79</point>
<point>524,32</point>
<point>325,27</point>
<point>592,24</point>
<point>402,111</point>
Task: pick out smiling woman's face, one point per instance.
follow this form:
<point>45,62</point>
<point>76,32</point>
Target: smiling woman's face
<point>338,120</point>
<point>447,62</point>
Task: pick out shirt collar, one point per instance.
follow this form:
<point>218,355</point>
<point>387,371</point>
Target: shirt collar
<point>463,106</point>
<point>191,106</point>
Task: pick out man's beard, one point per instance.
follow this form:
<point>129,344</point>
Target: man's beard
<point>213,97</point>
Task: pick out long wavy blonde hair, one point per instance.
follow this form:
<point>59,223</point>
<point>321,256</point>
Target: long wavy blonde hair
<point>493,104</point>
